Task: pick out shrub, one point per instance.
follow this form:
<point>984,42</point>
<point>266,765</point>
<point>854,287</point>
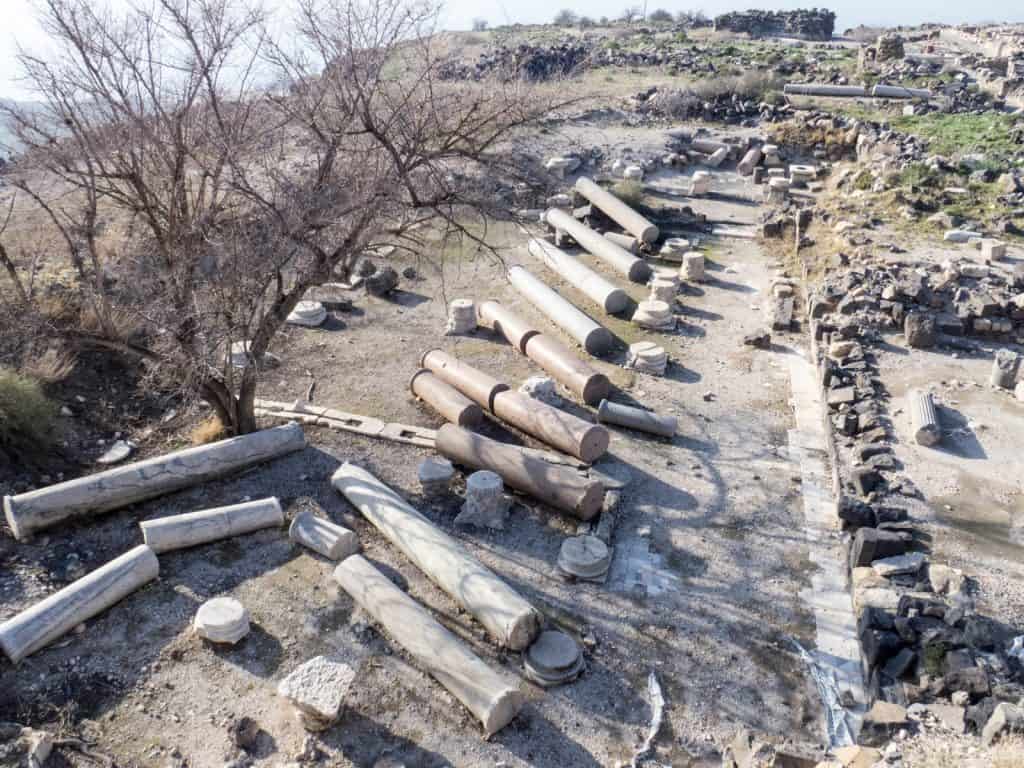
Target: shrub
<point>51,367</point>
<point>27,416</point>
<point>660,16</point>
<point>565,18</point>
<point>629,191</point>
<point>208,431</point>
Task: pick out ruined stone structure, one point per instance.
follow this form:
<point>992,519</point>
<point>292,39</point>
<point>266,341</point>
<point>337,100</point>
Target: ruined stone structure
<point>809,24</point>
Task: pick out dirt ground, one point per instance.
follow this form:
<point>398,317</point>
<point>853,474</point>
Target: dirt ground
<point>703,590</point>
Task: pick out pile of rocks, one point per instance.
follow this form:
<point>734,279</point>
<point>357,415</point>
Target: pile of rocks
<point>810,24</point>
<point>521,62</point>
<point>960,298</point>
<point>923,645</point>
<point>731,108</point>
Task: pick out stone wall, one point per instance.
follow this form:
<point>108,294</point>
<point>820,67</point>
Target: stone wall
<point>810,24</point>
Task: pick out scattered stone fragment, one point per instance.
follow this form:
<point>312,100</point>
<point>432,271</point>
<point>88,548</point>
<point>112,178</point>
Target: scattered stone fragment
<point>244,733</point>
<point>647,357</point>
<point>1006,718</point>
<point>382,282</point>
<point>435,476</point>
<point>486,505</point>
<point>553,659</point>
<point>1004,369</point>
<point>329,539</point>
<point>700,183</point>
<point>656,315</point>
<point>542,388</point>
<point>856,757</point>
<point>692,267</point>
<point>664,287</point>
<point>910,562</point>
<point>870,544</point>
<point>919,330</point>
<point>119,451</point>
<point>882,722</point>
<point>317,690</point>
<point>461,317</point>
<point>993,250</point>
<point>239,357</point>
<point>760,339</point>
<point>585,557</point>
<point>307,313</point>
<point>222,620</point>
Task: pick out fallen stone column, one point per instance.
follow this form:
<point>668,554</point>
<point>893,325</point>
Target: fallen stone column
<point>626,242</point>
<point>557,428</point>
<point>507,617</point>
<point>607,296</point>
<point>475,384</point>
<point>923,418</point>
<point>555,485</point>
<point>615,256</point>
<point>560,362</point>
<point>899,92</point>
<point>749,162</point>
<point>44,622</point>
<point>594,338</point>
<point>493,699</point>
<point>717,157</point>
<point>815,89</point>
<point>445,399</point>
<point>322,536</point>
<point>561,430</point>
<point>141,480</point>
<point>194,528</point>
<point>636,418</point>
<point>565,367</point>
<point>510,325</point>
<point>618,211</point>
<point>709,146</point>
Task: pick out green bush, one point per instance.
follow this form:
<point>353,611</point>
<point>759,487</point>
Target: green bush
<point>629,191</point>
<point>27,416</point>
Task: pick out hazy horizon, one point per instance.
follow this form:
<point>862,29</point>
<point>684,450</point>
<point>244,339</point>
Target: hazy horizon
<point>21,26</point>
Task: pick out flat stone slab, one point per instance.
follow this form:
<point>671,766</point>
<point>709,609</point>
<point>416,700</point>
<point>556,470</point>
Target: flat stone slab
<point>899,564</point>
<point>118,452</point>
<point>554,658</point>
<point>307,313</point>
<point>585,557</point>
<point>317,690</point>
<point>222,620</point>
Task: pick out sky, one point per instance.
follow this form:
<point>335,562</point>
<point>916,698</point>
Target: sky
<point>19,24</point>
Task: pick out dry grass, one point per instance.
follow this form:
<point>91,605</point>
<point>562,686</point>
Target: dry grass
<point>938,752</point>
<point>27,416</point>
<point>51,367</point>
<point>209,430</point>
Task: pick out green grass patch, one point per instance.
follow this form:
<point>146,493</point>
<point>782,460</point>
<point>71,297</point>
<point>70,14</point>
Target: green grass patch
<point>991,134</point>
<point>27,415</point>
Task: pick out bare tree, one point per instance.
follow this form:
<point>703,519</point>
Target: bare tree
<point>199,210</point>
<point>631,14</point>
<point>565,18</point>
